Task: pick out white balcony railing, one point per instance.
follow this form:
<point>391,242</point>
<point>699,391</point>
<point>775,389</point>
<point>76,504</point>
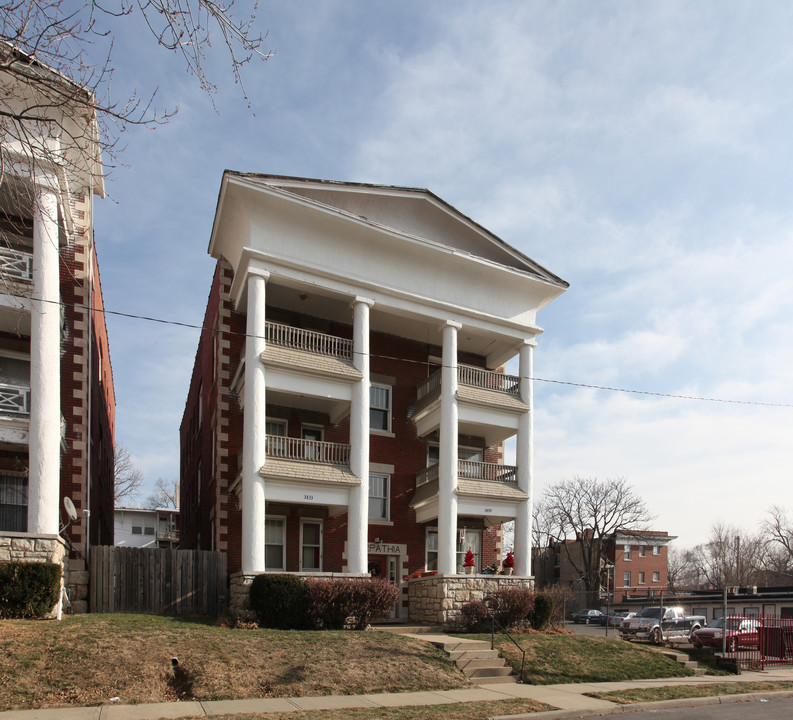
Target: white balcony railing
<point>468,469</point>
<point>317,451</point>
<point>16,264</point>
<point>308,340</point>
<point>14,400</point>
<point>474,377</point>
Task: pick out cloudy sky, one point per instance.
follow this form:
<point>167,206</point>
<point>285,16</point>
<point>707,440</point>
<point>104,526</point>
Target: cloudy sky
<point>641,151</point>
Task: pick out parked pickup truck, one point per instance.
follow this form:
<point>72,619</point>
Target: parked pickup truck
<point>675,624</point>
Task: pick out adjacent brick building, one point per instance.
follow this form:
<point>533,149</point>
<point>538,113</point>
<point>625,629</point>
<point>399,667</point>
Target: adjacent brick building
<point>637,567</point>
<point>57,403</point>
<point>348,406</point>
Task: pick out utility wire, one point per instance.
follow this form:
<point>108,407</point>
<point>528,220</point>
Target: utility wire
<point>607,388</point>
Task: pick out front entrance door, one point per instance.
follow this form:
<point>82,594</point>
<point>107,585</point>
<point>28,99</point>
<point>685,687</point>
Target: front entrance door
<point>386,567</point>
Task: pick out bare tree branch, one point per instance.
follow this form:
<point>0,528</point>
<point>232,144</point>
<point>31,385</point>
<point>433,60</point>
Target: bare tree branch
<point>165,495</point>
<point>127,478</point>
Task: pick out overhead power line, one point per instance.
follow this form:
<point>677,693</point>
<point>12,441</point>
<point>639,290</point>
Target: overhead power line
<point>589,386</point>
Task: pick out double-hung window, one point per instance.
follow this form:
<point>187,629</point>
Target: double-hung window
<point>379,497</point>
<point>380,407</point>
<point>276,437</point>
<point>13,503</point>
<point>274,543</point>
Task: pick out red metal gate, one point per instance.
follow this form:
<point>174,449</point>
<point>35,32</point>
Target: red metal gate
<point>760,640</point>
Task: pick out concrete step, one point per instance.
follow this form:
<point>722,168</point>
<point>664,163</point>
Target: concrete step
<point>479,672</point>
<point>494,679</point>
<point>400,629</point>
<point>462,655</point>
<point>471,663</point>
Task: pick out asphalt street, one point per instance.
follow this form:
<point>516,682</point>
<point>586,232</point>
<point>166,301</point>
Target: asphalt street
<point>758,708</point>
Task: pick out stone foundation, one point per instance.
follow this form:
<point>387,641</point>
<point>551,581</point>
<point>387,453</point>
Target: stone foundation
<point>437,599</point>
<point>33,548</point>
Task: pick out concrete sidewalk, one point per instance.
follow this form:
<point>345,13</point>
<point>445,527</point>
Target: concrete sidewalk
<point>569,699</point>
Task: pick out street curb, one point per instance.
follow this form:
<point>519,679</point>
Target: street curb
<point>642,706</point>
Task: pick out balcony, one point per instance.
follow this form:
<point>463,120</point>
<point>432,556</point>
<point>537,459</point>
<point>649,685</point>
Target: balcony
<point>484,490</point>
<point>16,264</point>
<point>314,451</point>
<point>473,377</point>
<point>305,369</point>
<point>14,400</point>
<point>470,470</point>
<point>308,341</point>
<point>489,404</point>
<point>308,472</point>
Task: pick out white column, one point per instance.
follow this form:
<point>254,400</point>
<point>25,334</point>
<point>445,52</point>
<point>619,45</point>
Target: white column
<point>45,370</point>
<point>358,511</point>
<point>254,430</point>
<point>525,459</point>
<point>447,460</point>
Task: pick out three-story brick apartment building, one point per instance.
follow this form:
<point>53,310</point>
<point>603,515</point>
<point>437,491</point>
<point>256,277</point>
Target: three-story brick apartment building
<point>57,404</point>
<point>348,405</point>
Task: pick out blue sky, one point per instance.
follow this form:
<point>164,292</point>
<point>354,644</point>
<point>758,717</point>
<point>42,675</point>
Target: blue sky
<point>641,151</point>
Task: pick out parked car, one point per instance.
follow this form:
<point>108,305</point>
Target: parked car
<point>587,616</point>
<point>616,618</point>
<point>741,633</point>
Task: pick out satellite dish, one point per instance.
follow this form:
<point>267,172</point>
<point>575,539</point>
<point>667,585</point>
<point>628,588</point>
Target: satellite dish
<point>70,509</point>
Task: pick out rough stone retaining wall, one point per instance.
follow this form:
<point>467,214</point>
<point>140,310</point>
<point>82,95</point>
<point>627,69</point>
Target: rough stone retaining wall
<point>437,599</point>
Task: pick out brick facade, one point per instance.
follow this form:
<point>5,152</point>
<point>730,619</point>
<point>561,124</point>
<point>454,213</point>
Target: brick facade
<point>211,441</point>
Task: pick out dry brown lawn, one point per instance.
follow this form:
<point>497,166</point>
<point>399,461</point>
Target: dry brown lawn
<point>89,659</point>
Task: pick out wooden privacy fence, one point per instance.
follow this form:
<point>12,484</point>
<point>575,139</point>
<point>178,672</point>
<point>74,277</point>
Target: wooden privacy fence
<point>161,582</point>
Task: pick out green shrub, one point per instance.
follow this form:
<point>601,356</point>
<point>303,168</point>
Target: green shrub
<point>28,590</point>
<point>511,605</point>
<point>279,601</point>
<point>338,603</point>
<point>541,615</point>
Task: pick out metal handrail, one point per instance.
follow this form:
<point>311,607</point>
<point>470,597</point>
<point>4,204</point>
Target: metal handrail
<point>493,623</point>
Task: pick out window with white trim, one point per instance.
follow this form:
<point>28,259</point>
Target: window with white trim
<point>13,503</point>
<point>656,549</point>
<point>431,559</point>
<point>277,429</point>
<point>641,577</point>
<point>274,545</point>
<point>642,550</point>
<point>379,497</point>
<point>626,555</point>
<point>313,435</point>
<point>469,539</point>
<point>311,545</point>
<point>656,577</point>
<point>380,407</point>
<point>626,579</point>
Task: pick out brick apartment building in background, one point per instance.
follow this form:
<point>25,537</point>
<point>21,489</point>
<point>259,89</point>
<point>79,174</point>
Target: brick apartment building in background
<point>57,403</point>
<point>637,567</point>
<point>348,407</point>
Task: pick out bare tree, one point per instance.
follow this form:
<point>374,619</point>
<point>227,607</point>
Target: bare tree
<point>731,556</point>
<point>57,106</point>
<point>591,512</point>
<point>681,568</point>
<point>165,495</point>
<point>778,556</point>
<point>127,478</point>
